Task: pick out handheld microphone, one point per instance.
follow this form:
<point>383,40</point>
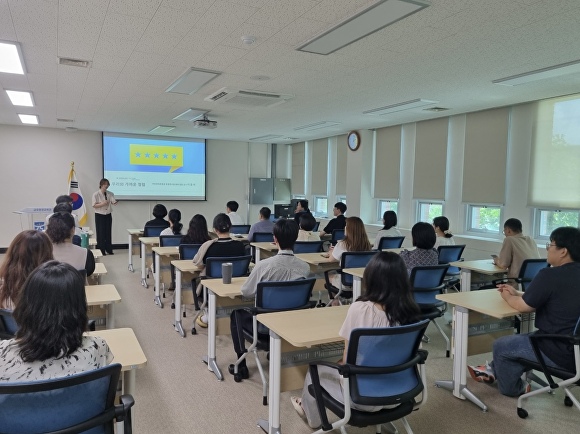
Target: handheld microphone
<point>105,195</point>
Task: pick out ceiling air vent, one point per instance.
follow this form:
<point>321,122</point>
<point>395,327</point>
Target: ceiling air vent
<point>248,98</point>
<point>73,62</point>
<point>436,109</point>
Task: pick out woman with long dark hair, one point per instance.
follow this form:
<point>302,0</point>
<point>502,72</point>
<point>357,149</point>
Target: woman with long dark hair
<point>197,232</point>
<point>389,229</point>
<point>387,302</point>
<point>175,224</point>
<point>60,230</point>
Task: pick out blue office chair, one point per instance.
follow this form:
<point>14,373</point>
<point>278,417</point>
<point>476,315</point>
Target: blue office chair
<point>337,235</point>
<point>263,237</point>
<point>240,229</point>
<point>308,246</point>
<point>427,282</point>
<point>188,251</point>
<point>316,227</point>
<point>384,367</point>
<point>169,240</point>
<point>270,297</point>
<point>347,260</point>
<point>390,243</point>
<point>8,326</point>
<point>449,254</point>
<point>529,269</point>
<point>213,270</point>
<point>153,231</point>
<point>83,402</point>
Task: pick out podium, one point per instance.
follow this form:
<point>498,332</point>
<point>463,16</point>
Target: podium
<point>35,217</point>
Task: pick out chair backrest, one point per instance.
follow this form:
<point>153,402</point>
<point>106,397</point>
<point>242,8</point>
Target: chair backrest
<point>169,240</point>
<point>188,251</point>
<point>427,282</point>
<point>58,404</point>
<point>153,231</point>
<point>240,265</point>
<point>530,267</point>
<point>388,348</point>
<point>263,237</point>
<point>287,295</point>
<point>353,260</point>
<point>308,246</point>
<point>449,254</point>
<point>337,235</point>
<point>8,326</point>
<point>240,229</point>
<point>390,243</point>
<point>316,227</point>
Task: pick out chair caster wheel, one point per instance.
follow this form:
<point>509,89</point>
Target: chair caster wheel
<point>264,400</point>
<point>193,331</point>
<point>172,305</point>
<point>164,295</point>
<point>568,402</point>
<point>447,354</point>
<point>522,412</point>
<point>238,378</point>
<point>184,315</point>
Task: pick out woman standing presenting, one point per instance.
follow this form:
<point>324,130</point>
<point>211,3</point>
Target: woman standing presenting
<point>102,203</point>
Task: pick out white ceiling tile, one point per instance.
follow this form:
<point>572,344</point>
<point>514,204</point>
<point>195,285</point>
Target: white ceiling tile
<point>223,55</point>
<point>202,40</point>
<point>118,26</point>
<point>334,11</point>
<point>138,8</point>
<point>108,62</point>
<point>82,10</point>
<point>42,84</point>
<point>199,6</point>
<point>115,47</point>
<point>301,30</point>
<point>176,22</point>
<point>183,58</point>
<point>35,22</point>
<point>280,14</point>
<point>161,45</point>
<point>70,45</point>
<point>225,16</point>
<point>260,33</point>
<point>7,32</point>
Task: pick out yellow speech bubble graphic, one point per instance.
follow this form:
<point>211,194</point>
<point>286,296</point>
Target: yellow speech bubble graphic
<point>154,155</point>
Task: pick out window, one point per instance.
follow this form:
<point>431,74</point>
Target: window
<point>546,220</point>
<point>320,208</point>
<point>341,199</point>
<point>427,211</point>
<point>484,219</point>
<point>386,205</point>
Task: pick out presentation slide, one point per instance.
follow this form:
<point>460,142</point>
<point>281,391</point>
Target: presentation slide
<point>154,168</point>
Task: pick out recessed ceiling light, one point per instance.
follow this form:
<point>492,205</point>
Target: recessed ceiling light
<point>400,106</point>
<point>161,129</point>
<point>192,80</point>
<point>248,40</point>
<point>317,126</point>
<point>540,74</point>
<point>190,114</point>
<point>265,138</point>
<point>28,119</point>
<point>11,58</point>
<point>20,98</point>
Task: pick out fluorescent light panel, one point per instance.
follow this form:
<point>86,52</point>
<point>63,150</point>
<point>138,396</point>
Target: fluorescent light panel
<point>192,80</point>
<point>11,58</point>
<point>400,106</point>
<point>540,74</point>
<point>264,138</point>
<point>190,114</point>
<point>161,129</point>
<point>20,98</point>
<point>317,126</point>
<point>375,18</point>
<point>28,119</point>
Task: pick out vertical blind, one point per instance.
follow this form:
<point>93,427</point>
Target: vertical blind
<point>298,163</point>
<point>387,162</point>
<point>430,159</point>
<point>341,158</point>
<point>319,167</point>
<point>485,159</point>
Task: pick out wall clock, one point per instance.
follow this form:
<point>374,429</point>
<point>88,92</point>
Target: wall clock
<point>353,140</point>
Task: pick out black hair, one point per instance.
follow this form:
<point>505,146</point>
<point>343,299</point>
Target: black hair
<point>197,232</point>
<point>341,207</point>
<point>175,219</point>
<point>286,233</point>
<point>159,211</point>
<point>442,223</point>
<point>51,313</point>
<point>222,223</point>
<point>64,198</point>
<point>304,204</point>
<point>567,237</point>
<point>423,235</point>
<point>389,219</point>
<point>60,226</point>
<point>232,205</point>
<point>63,207</point>
<point>265,212</point>
<point>307,222</point>
<point>387,284</point>
<point>103,182</point>
<point>513,224</point>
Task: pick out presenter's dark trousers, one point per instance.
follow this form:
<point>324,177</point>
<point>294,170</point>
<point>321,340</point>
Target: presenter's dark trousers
<point>103,223</point>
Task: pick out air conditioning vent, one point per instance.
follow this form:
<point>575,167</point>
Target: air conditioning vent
<point>73,62</point>
<point>248,98</point>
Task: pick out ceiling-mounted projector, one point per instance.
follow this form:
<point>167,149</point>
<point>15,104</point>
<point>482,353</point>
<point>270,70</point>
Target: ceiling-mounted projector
<point>204,123</point>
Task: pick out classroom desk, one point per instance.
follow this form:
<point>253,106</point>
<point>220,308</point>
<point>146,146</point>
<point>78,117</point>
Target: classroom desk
<point>99,271</point>
<point>182,266</point>
<point>487,301</point>
<point>106,295</point>
<point>134,235</point>
<point>216,288</point>
<point>318,263</point>
<point>483,266</point>
<point>301,328</point>
<point>147,244</point>
<point>264,250</point>
<point>96,253</point>
<point>162,257</point>
<point>92,242</point>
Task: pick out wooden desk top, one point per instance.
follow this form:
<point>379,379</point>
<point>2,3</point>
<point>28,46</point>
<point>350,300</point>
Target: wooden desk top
<point>221,289</point>
<point>356,272</point>
<point>398,250</point>
<point>124,346</point>
<point>483,266</point>
<point>487,301</point>
<point>186,265</point>
<point>304,328</point>
<point>239,237</point>
<point>149,240</point>
<point>102,294</point>
<point>316,259</point>
<point>268,246</point>
<point>92,241</point>
<point>135,231</point>
<point>167,251</point>
<point>96,253</point>
<point>100,268</point>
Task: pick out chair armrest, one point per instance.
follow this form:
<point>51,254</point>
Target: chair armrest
<point>313,369</point>
<point>423,354</point>
<point>123,412</point>
<point>327,274</point>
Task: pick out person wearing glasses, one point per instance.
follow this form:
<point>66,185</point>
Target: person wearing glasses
<point>516,248</point>
<point>553,296</point>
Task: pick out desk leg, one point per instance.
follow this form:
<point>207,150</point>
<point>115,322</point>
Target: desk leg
<point>111,316</point>
<point>157,276</point>
<point>210,359</point>
<point>465,280</point>
<point>143,270</point>
<point>356,287</point>
<point>257,255</point>
<point>272,425</point>
<point>177,323</point>
<point>131,253</point>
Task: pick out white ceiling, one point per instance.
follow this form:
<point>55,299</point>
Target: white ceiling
<point>449,52</point>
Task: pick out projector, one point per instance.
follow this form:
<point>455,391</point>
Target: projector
<point>204,123</point>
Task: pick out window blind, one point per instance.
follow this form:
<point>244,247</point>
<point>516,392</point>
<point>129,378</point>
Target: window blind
<point>298,163</point>
<point>430,159</point>
<point>319,174</point>
<point>341,159</point>
<point>387,162</point>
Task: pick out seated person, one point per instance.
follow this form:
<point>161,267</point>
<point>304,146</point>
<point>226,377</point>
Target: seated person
<point>553,296</point>
<point>301,208</point>
<point>159,212</point>
<point>27,251</point>
<point>263,225</point>
<point>389,229</point>
<point>307,223</point>
<point>175,224</point>
<point>283,266</point>
<point>66,207</point>
<point>66,199</point>
<point>339,222</point>
<point>52,315</point>
<point>197,232</point>
<point>423,239</point>
<point>388,301</point>
<point>444,235</point>
<point>60,229</point>
<point>232,212</point>
<point>516,248</point>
